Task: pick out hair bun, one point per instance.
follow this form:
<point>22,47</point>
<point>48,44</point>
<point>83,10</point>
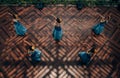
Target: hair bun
<point>58,20</point>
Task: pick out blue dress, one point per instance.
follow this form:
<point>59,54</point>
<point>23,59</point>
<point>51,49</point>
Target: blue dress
<point>85,58</point>
<point>99,28</point>
<point>57,33</point>
<point>36,55</point>
<point>19,28</point>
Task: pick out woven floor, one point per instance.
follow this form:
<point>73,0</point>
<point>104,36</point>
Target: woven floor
<point>59,60</point>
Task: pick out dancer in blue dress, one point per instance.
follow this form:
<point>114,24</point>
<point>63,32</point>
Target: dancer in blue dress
<point>19,28</point>
<point>86,56</point>
<point>33,52</point>
<point>57,31</point>
<point>98,29</point>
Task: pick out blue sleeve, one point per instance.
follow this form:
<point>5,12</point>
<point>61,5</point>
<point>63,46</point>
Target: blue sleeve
<point>61,32</point>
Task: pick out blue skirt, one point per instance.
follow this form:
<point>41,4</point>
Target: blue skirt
<point>57,33</point>
<point>98,29</point>
<point>85,58</point>
<point>36,55</point>
<point>19,28</point>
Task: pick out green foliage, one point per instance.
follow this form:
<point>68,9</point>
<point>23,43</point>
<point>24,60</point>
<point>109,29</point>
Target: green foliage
<point>65,2</point>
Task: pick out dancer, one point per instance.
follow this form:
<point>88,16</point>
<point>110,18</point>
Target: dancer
<point>57,31</point>
<point>19,28</point>
<point>86,56</point>
<point>33,52</point>
<point>98,29</point>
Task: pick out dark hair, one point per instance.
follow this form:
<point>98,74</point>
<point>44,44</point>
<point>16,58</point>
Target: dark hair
<point>29,48</point>
<point>14,16</point>
<point>93,48</point>
<point>58,20</point>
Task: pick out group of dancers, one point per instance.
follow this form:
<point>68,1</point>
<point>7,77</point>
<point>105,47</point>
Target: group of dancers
<point>57,34</point>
